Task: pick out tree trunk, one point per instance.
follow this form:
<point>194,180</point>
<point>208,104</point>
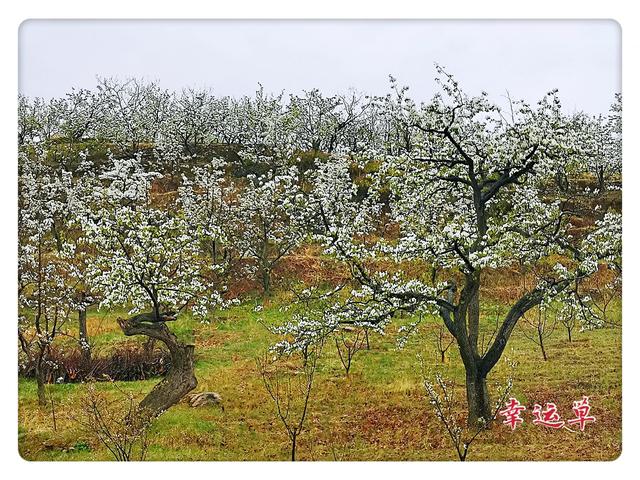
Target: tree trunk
<point>266,281</point>
<point>83,337</point>
<point>42,396</point>
<point>541,341</point>
<point>293,447</point>
<point>569,334</point>
<point>179,380</point>
<point>562,182</point>
<point>474,318</point>
<point>601,181</point>
<point>478,398</point>
<point>465,330</point>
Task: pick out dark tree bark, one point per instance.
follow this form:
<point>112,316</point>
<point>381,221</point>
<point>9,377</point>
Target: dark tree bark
<point>83,338</point>
<point>294,437</point>
<point>39,372</point>
<point>179,380</point>
<point>562,181</point>
<point>464,326</point>
<point>265,275</point>
<point>463,323</point>
<point>601,180</point>
<point>478,398</point>
<point>541,341</point>
<point>35,359</point>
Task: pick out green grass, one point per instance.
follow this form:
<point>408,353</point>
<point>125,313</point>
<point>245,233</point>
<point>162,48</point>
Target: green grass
<point>379,412</point>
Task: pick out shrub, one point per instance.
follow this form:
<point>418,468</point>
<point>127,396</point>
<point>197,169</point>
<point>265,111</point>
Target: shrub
<point>128,361</point>
<point>117,423</point>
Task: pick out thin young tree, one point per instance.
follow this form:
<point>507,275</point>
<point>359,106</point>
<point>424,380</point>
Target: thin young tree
<point>537,326</point>
<point>290,386</point>
<point>567,315</point>
<point>349,341</point>
<point>115,422</point>
<point>443,341</point>
<point>600,294</point>
<point>441,395</point>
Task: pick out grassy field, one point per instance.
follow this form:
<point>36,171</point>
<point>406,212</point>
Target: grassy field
<point>380,412</point>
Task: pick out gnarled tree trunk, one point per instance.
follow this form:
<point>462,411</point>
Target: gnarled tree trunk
<point>179,380</point>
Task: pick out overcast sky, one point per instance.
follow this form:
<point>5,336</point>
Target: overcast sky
<point>527,58</point>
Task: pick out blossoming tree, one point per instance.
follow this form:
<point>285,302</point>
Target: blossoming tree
<point>148,258</point>
<point>272,214</point>
<point>46,285</point>
<point>466,199</point>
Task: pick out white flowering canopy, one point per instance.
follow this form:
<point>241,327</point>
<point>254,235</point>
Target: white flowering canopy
<point>46,283</point>
<point>466,192</point>
<point>148,255</point>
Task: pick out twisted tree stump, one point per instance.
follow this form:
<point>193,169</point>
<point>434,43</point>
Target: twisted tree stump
<point>180,379</point>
